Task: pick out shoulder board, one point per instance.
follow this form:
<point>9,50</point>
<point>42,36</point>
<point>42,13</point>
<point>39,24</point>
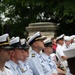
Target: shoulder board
<point>33,55</point>
<point>7,67</point>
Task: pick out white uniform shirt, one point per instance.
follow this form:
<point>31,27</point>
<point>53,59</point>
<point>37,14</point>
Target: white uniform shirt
<point>6,72</point>
<point>13,67</point>
<point>60,53</point>
<point>25,68</point>
<point>72,46</point>
<point>37,65</point>
<point>67,47</point>
<point>47,59</point>
<point>53,57</point>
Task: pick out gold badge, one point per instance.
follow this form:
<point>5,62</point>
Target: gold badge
<point>33,55</point>
<point>22,70</point>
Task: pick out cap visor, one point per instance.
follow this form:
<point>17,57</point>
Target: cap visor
<point>19,47</point>
<point>8,47</point>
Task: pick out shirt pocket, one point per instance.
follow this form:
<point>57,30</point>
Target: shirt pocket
<point>45,69</point>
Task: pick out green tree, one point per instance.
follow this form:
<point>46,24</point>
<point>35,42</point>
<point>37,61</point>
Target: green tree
<point>23,12</point>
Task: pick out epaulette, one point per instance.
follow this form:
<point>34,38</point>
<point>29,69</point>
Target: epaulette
<point>7,67</point>
<point>33,55</point>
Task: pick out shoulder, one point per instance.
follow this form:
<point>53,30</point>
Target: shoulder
<point>7,65</point>
<point>32,54</point>
<point>8,71</point>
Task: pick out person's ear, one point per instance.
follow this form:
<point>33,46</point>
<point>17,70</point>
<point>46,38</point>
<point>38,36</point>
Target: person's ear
<point>35,44</point>
<point>12,52</point>
<point>23,51</point>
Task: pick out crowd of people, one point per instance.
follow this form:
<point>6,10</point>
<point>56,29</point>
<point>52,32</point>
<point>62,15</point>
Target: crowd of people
<point>36,55</point>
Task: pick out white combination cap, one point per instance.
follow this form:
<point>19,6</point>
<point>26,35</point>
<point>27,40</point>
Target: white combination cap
<point>23,41</point>
<point>72,36</point>
<point>35,37</point>
<point>48,42</point>
<point>60,37</point>
<point>12,38</point>
<point>24,44</point>
<point>67,38</point>
<point>4,37</point>
<point>4,41</point>
<point>15,42</point>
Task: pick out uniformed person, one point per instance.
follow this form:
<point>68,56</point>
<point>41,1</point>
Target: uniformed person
<point>48,59</point>
<point>72,41</point>
<point>15,56</point>
<point>67,44</point>
<point>4,54</point>
<point>35,61</point>
<point>72,38</point>
<point>46,56</point>
<point>59,52</point>
<point>25,68</point>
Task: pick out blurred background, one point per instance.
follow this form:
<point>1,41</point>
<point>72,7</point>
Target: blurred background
<point>16,15</point>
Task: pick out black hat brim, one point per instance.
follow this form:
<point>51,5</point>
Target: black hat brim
<point>8,47</point>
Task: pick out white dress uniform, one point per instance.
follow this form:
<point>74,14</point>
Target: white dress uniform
<point>47,59</point>
<point>13,67</point>
<point>25,68</point>
<point>37,65</point>
<point>67,47</point>
<point>54,58</point>
<point>6,72</point>
<point>72,46</point>
<point>59,53</point>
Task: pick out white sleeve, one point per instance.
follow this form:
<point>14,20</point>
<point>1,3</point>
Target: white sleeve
<point>59,51</point>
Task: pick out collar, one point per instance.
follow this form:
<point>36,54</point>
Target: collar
<point>46,57</point>
<point>21,62</point>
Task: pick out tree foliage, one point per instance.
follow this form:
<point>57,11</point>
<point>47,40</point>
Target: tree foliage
<point>23,12</point>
